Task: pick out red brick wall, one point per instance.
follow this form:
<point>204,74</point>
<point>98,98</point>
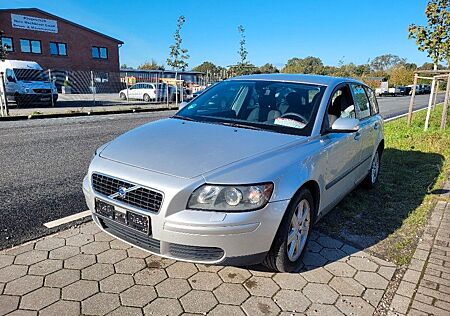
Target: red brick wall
<point>79,43</point>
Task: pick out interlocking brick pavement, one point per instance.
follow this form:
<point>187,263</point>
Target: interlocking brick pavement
<point>425,286</point>
<point>85,271</point>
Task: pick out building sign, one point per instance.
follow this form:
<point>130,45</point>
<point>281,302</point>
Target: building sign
<point>33,23</point>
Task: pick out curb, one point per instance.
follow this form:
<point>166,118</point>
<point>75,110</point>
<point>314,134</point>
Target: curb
<point>76,114</point>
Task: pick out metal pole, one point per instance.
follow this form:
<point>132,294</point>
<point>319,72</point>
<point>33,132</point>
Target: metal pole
<point>411,102</point>
<point>181,91</point>
<point>4,107</point>
<point>445,107</point>
<point>430,103</point>
<point>126,83</point>
<point>92,86</point>
<point>176,90</point>
<point>2,93</point>
<point>51,89</point>
<point>167,95</point>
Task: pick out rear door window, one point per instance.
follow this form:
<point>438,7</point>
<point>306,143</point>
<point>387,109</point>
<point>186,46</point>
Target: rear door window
<point>373,101</point>
<point>362,103</point>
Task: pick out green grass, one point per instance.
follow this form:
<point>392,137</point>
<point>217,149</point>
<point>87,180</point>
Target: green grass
<point>389,219</point>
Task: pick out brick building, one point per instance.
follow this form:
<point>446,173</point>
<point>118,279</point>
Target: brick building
<point>56,43</point>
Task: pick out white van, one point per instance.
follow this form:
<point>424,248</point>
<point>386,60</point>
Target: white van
<point>26,83</point>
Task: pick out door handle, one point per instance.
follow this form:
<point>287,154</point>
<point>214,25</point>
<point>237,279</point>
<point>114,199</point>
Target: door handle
<point>357,135</point>
<point>376,126</point>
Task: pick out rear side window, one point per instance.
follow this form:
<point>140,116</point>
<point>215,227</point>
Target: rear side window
<point>373,101</point>
<point>362,104</point>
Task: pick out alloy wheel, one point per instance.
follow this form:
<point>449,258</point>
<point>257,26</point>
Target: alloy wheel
<point>375,168</point>
<point>298,230</point>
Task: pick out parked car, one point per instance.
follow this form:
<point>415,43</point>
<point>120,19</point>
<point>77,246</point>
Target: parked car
<point>241,173</point>
<point>26,83</point>
<point>139,91</point>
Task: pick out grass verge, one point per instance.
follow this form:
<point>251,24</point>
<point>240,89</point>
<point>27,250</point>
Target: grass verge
<point>388,220</point>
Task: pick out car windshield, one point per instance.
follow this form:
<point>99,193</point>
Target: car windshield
<point>30,74</point>
<point>271,105</point>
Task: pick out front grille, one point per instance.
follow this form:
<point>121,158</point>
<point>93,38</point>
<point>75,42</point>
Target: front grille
<point>195,253</point>
<point>133,237</point>
<point>137,196</point>
<point>41,90</point>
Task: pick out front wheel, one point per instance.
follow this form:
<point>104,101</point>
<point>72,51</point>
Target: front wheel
<point>372,177</point>
<point>292,236</point>
<point>146,98</point>
<point>123,96</point>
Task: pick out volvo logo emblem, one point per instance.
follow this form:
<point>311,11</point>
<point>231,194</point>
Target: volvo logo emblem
<point>122,192</point>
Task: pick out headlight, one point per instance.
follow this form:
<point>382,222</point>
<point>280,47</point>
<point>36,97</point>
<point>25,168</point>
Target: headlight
<point>26,90</point>
<point>231,198</point>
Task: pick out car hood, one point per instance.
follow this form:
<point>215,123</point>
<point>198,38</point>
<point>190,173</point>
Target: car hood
<point>36,84</point>
<point>189,149</point>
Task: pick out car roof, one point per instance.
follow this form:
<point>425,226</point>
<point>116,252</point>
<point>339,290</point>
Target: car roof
<point>299,78</point>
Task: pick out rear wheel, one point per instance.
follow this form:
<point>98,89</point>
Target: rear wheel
<point>292,237</point>
<point>372,177</point>
<point>146,98</point>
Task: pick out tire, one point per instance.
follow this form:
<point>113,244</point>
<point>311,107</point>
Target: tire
<point>123,96</point>
<point>146,98</point>
<point>278,258</point>
<point>371,179</point>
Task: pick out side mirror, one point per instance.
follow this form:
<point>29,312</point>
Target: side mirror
<point>182,105</point>
<point>345,125</point>
<point>10,79</point>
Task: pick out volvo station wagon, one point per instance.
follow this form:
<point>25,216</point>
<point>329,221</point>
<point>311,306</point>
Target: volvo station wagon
<point>239,175</point>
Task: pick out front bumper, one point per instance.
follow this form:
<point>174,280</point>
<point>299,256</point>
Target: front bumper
<point>200,236</point>
<point>36,98</point>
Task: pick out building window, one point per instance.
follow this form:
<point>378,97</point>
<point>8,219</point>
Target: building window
<point>30,46</point>
<point>58,49</point>
<point>101,77</point>
<point>7,42</point>
<point>99,52</point>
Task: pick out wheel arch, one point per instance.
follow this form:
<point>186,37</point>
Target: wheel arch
<point>381,147</point>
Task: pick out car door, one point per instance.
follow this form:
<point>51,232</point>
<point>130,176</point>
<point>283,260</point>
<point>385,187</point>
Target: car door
<point>341,150</point>
<point>367,129</point>
<point>11,85</point>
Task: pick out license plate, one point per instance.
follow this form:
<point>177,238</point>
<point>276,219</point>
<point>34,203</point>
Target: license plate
<point>125,217</point>
<point>45,99</point>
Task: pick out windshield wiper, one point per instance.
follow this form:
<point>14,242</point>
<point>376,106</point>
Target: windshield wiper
<point>183,118</point>
<point>242,125</point>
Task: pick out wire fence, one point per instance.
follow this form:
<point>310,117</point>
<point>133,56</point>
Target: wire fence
<point>63,88</point>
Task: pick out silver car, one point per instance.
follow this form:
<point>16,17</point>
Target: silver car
<point>241,173</point>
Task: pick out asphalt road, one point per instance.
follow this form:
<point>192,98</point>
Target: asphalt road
<point>43,162</point>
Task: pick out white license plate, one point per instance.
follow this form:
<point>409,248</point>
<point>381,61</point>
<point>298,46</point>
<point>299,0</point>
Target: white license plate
<point>45,99</point>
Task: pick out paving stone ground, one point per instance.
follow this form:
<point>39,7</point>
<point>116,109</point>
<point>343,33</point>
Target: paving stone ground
<point>85,271</point>
<point>425,287</point>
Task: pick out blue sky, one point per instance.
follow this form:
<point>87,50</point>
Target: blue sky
<point>349,30</point>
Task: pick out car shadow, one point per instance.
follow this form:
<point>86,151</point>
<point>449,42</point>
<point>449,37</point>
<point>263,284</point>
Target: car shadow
<point>368,219</point>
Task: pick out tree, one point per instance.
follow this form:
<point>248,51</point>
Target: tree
<point>434,38</point>
<point>384,62</point>
<point>178,56</point>
<point>242,49</point>
<point>243,67</point>
<point>430,66</point>
<point>308,65</point>
<point>3,48</point>
<point>401,76</point>
<point>151,65</point>
<point>207,67</point>
<point>268,69</point>
<point>125,66</point>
